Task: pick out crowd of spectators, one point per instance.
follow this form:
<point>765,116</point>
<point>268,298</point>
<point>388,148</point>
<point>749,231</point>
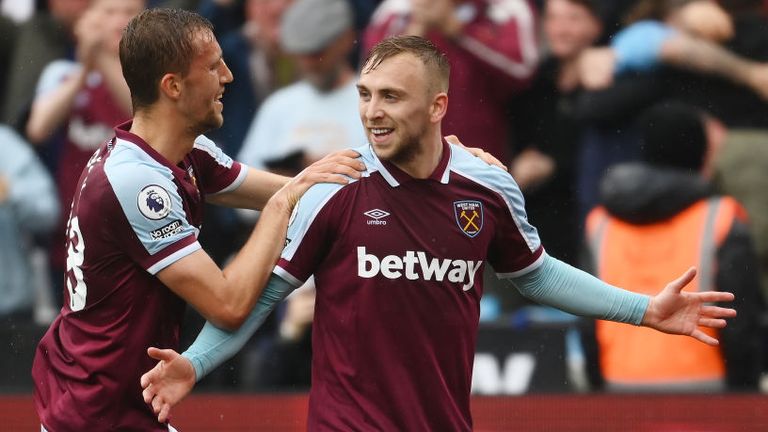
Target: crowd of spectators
<point>553,88</point>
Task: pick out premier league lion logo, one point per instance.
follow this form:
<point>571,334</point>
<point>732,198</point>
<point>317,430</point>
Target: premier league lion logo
<point>154,202</point>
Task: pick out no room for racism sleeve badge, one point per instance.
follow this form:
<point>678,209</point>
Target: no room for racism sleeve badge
<point>469,216</point>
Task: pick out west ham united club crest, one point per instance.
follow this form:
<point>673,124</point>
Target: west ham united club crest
<point>469,216</point>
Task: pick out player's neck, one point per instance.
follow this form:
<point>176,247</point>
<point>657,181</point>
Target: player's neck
<point>172,141</point>
<point>426,160</point>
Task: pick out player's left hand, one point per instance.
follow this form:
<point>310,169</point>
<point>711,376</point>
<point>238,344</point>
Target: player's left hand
<point>477,152</point>
<point>681,312</point>
<point>168,382</point>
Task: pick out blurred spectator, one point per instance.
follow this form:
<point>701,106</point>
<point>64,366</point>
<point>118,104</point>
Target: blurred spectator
<point>658,218</point>
<point>653,60</point>
<point>317,115</point>
<point>86,99</point>
<point>493,50</point>
<point>28,206</point>
<point>8,34</point>
<point>254,55</point>
<point>684,34</point>
<point>548,130</point>
<point>18,10</point>
<point>740,171</point>
<point>259,66</point>
<point>225,15</point>
<point>47,36</point>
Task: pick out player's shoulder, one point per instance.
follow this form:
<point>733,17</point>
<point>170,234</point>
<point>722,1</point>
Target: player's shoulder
<point>206,146</point>
<point>321,193</point>
<point>474,169</point>
<point>130,170</point>
<point>494,180</point>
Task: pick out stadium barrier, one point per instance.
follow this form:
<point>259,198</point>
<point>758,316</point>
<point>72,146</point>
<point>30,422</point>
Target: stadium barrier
<point>550,413</point>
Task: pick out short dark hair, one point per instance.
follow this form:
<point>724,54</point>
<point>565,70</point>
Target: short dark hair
<point>155,42</point>
<point>435,61</point>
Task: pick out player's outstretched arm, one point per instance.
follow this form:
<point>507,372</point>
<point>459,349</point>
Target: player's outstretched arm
<point>681,312</point>
<point>175,375</point>
<point>672,310</point>
<point>168,382</point>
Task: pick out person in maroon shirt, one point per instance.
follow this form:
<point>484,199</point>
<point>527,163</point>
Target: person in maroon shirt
<point>397,257</point>
<point>494,52</point>
<point>133,258</point>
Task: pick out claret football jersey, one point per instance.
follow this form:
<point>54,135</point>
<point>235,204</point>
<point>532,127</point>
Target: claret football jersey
<point>133,214</point>
<point>398,264</point>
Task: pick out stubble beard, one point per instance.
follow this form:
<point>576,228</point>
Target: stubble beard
<point>211,122</point>
<point>406,152</point>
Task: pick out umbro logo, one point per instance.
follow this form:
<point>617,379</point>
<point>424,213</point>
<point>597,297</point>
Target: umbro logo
<point>376,216</point>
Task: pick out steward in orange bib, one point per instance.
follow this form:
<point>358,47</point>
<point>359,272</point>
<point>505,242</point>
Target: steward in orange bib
<point>657,219</point>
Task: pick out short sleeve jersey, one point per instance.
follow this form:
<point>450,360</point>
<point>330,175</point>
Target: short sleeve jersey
<point>398,265</point>
<point>133,214</point>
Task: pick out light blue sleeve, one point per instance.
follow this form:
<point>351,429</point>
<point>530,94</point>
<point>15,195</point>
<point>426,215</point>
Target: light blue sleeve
<point>32,194</point>
<point>214,346</point>
<point>638,46</point>
<point>151,203</point>
<point>559,285</point>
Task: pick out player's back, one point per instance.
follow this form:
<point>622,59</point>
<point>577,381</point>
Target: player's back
<point>87,366</point>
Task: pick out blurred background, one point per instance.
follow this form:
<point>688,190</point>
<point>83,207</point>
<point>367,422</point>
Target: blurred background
<point>636,129</point>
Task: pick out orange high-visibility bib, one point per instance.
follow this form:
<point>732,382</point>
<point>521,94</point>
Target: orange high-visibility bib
<point>643,259</point>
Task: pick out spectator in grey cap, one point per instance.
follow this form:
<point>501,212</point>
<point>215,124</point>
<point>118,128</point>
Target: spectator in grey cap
<point>320,34</point>
<point>317,114</point>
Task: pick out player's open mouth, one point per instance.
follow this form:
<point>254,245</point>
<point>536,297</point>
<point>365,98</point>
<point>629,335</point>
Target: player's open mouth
<point>381,132</point>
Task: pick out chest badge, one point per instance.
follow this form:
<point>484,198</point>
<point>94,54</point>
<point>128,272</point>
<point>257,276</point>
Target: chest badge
<point>469,216</point>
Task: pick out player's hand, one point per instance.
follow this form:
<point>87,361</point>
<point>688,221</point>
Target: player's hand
<point>477,152</point>
<point>681,312</point>
<point>337,167</point>
<point>168,382</point>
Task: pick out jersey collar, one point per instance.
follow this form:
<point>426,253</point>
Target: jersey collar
<point>122,132</point>
<point>395,176</point>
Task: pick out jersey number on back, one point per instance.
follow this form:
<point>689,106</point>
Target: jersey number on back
<point>75,255</point>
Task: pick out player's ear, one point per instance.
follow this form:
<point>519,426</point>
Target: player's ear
<point>170,85</point>
<point>438,108</point>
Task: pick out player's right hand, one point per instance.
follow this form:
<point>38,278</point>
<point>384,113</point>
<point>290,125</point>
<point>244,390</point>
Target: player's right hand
<point>337,167</point>
<point>168,382</point>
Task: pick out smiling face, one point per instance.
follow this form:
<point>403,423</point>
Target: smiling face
<point>203,85</point>
<point>397,107</point>
<point>569,28</point>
